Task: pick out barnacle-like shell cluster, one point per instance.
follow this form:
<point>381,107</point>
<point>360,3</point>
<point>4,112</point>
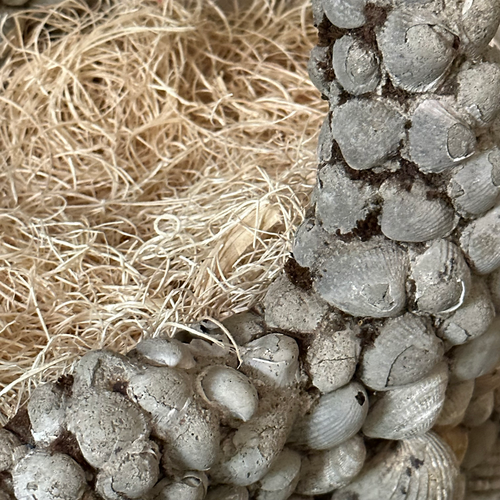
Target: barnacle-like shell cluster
<point>370,370</point>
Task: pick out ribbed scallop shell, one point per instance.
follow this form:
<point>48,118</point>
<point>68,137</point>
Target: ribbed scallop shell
<point>442,278</point>
<point>417,50</point>
<point>480,241</point>
<point>457,399</point>
<point>404,351</point>
<point>410,410</point>
<point>438,138</point>
<point>364,278</point>
<point>345,13</point>
<point>336,417</point>
<point>474,186</point>
<point>411,216</point>
<point>422,468</point>
<point>325,471</point>
<point>367,131</point>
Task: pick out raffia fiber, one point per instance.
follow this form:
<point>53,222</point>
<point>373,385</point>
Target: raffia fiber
<point>155,160</point>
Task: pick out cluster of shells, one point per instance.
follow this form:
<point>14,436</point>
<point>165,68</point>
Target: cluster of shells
<point>369,372</point>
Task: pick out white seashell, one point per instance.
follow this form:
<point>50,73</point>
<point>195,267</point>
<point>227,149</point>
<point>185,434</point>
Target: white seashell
<point>227,492</point>
<point>478,88</point>
<point>367,131</point>
<point>423,464</point>
<point>163,352</point>
<point>472,318</point>
<point>438,138</point>
<point>48,476</point>
<point>245,326</point>
<point>411,216</point>
<point>480,20</point>
<point>356,68</point>
<point>291,308</point>
<point>364,278</point>
<point>332,357</point>
<point>474,186</point>
<point>456,401</point>
<point>325,471</point>
<point>442,278</point>
<point>104,422</point>
<point>478,357</point>
<point>336,417</point>
<point>230,390</point>
<point>191,486</point>
<point>47,412</point>
<point>410,410</point>
<point>341,202</point>
<point>404,351</point>
<point>481,442</point>
<point>280,482</point>
<point>480,241</point>
<point>272,359</point>
<point>417,49</point>
<point>320,69</point>
<point>8,444</point>
<point>345,13</point>
<point>479,410</point>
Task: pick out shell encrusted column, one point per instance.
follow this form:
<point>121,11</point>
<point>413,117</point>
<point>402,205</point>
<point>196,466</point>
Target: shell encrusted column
<point>369,371</point>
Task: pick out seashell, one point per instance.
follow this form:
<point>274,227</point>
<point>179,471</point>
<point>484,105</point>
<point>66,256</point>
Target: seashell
<point>325,471</point>
<point>336,417</point>
<point>356,68</point>
<point>480,20</point>
<point>483,478</point>
<point>310,241</point>
<point>272,359</point>
<point>332,357</point>
<point>317,12</point>
<point>438,138</point>
<point>457,438</point>
<point>410,410</point>
<point>131,472</point>
<point>477,90</point>
<point>442,278</point>
<point>480,241</point>
<point>245,326</point>
<point>48,476</point>
<point>163,352</point>
<point>104,422</point>
<point>291,308</point>
<point>479,410</point>
<point>324,150</point>
<point>8,444</point>
<point>280,482</point>
<point>472,318</point>
<point>477,357</point>
<point>363,278</point>
<point>191,486</point>
<point>230,390</point>
<point>367,131</point>
<point>487,383</point>
<point>481,442</point>
<point>47,412</point>
<point>227,492</point>
<point>494,287</point>
<point>423,467</point>
<point>457,399</point>
<point>320,69</point>
<point>341,202</point>
<point>404,351</point>
<point>345,13</point>
<point>474,186</point>
<point>417,49</point>
<point>411,216</point>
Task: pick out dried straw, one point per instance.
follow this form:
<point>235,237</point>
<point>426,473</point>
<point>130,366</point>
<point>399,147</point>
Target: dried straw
<point>155,160</point>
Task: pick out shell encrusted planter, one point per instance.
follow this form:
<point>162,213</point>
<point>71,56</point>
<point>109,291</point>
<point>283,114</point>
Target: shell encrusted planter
<point>368,372</point>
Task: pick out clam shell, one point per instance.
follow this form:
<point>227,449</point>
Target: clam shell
<point>227,492</point>
<point>356,68</point>
<point>230,390</point>
<point>404,351</point>
<point>191,486</point>
<point>310,241</point>
<point>417,49</point>
<point>8,444</point>
<point>456,401</point>
<point>345,13</point>
<point>163,352</point>
<point>245,326</point>
<point>438,138</point>
<point>481,442</point>
<point>474,186</point>
<point>410,216</point>
<point>423,467</point>
<point>325,471</point>
<point>480,241</point>
<point>472,318</point>
<point>480,20</point>
<point>367,131</point>
<point>336,417</point>
<point>442,278</point>
<point>273,359</point>
<point>341,202</point>
<point>364,278</point>
<point>320,69</point>
<point>479,410</point>
<point>457,438</point>
<point>410,410</point>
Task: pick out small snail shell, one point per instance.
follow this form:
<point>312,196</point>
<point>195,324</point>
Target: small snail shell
<point>163,352</point>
